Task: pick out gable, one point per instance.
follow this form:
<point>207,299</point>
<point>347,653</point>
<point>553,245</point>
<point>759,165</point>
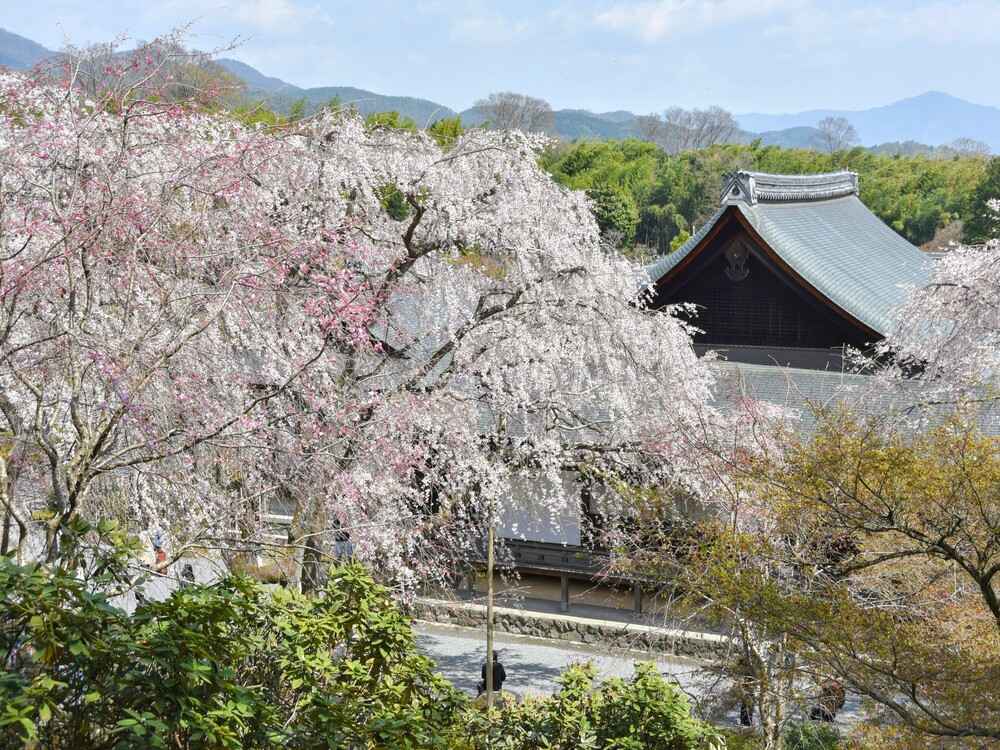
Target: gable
<point>819,233</point>
<point>747,297</point>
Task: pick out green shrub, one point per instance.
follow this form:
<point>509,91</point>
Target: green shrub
<point>645,712</point>
<point>811,735</point>
<point>394,202</point>
<point>446,131</point>
<point>615,211</point>
<point>391,120</point>
<point>231,665</point>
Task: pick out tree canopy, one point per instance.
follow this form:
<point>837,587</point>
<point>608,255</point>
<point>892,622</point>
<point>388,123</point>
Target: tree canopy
<point>335,317</point>
<point>916,196</point>
<point>983,222</point>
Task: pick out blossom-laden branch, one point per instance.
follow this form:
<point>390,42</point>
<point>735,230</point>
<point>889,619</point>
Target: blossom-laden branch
<point>192,310</point>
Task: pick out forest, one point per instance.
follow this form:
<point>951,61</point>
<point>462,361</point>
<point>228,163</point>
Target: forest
<point>650,201</point>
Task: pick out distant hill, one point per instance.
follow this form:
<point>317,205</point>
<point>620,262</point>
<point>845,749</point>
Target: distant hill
<point>423,111</point>
<point>573,124</point>
<point>616,116</point>
<point>281,95</point>
<point>20,53</point>
<point>253,78</point>
<point>796,137</point>
<point>934,118</point>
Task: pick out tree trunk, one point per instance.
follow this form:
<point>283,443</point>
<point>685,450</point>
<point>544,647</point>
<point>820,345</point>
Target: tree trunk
<point>306,546</point>
<point>312,573</point>
<point>5,541</point>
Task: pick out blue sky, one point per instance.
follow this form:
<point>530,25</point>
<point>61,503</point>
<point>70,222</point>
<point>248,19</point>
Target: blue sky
<point>641,55</point>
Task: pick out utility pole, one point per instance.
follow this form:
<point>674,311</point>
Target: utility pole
<point>489,611</point>
<point>490,543</point>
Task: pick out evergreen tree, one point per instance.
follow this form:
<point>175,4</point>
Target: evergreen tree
<point>984,218</point>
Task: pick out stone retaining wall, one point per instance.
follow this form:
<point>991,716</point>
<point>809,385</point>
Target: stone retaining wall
<point>618,635</point>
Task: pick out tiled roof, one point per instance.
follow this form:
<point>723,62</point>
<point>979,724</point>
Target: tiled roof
<point>835,244</point>
<point>797,390</point>
<point>755,187</point>
<point>658,268</point>
<point>802,391</point>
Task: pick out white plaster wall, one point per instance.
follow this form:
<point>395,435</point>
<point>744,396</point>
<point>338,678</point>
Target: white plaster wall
<point>555,519</point>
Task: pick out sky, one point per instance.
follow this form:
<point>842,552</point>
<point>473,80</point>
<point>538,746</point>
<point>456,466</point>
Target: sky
<point>602,55</point>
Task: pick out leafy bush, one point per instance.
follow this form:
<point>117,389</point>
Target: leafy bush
<point>810,735</point>
<point>394,202</point>
<point>643,712</point>
<point>231,665</point>
<point>240,665</point>
<point>446,131</point>
<point>615,212</point>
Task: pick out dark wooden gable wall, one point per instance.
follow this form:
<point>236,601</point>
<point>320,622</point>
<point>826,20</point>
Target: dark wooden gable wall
<point>745,298</point>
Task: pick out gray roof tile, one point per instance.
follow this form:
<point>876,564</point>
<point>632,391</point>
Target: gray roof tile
<point>801,392</point>
<point>836,244</point>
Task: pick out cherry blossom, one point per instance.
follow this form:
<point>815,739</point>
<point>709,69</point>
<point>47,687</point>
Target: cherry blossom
<point>203,321</point>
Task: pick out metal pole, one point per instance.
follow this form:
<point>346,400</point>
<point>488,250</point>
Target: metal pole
<point>489,612</point>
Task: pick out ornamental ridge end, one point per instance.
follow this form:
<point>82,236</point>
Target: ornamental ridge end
<point>761,187</point>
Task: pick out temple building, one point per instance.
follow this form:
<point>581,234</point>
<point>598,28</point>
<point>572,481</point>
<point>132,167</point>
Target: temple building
<point>787,274</point>
<point>789,271</point>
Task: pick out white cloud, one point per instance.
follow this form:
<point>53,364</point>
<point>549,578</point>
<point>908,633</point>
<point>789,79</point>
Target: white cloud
<point>936,22</point>
<point>272,15</point>
<point>660,19</point>
<point>963,22</point>
<point>488,29</point>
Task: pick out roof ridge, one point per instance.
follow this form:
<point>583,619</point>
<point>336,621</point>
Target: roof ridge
<point>749,187</point>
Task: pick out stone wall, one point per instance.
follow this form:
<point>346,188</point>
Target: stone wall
<point>607,633</point>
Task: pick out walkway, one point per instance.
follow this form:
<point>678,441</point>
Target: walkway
<point>532,664</point>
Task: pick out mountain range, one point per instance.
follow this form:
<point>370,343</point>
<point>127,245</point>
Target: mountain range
<point>933,118</point>
<point>19,53</point>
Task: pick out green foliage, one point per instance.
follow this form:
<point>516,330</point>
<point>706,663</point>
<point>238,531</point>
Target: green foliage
<point>392,120</point>
<point>915,195</point>
<point>679,240</point>
<point>298,110</point>
<point>446,131</point>
<point>741,739</point>
<point>254,114</point>
<point>615,211</point>
<point>811,735</point>
<point>227,666</point>
<point>645,712</point>
<point>983,222</point>
<point>394,201</point>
